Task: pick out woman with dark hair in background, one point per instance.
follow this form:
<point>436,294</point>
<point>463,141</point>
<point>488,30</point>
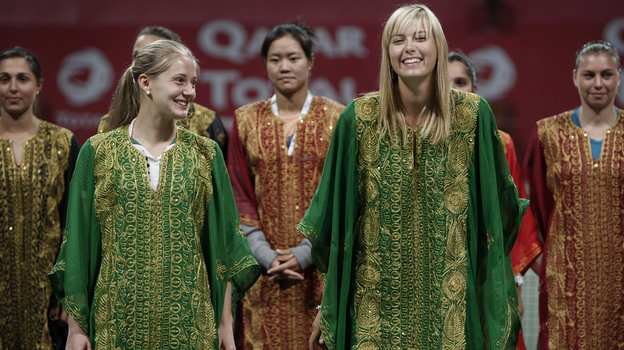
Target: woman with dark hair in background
<point>416,212</point>
<point>277,151</point>
<point>575,166</point>
<point>154,254</point>
<point>36,163</point>
<point>463,76</point>
<point>200,120</point>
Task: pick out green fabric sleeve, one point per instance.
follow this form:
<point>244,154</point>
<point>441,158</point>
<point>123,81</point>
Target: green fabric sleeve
<point>330,225</point>
<point>74,276</point>
<point>495,213</point>
<point>225,248</point>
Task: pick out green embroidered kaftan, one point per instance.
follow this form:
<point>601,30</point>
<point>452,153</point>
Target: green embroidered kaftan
<point>415,238</point>
<point>148,269</point>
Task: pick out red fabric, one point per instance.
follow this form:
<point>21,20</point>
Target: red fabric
<point>542,203</point>
<point>528,246</point>
<point>241,179</point>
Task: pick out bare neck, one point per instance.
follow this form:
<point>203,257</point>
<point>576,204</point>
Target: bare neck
<point>154,132</point>
<point>605,116</point>
<point>415,98</point>
<point>292,104</point>
<point>25,125</point>
<point>596,122</point>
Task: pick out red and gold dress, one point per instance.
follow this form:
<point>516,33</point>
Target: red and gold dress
<point>273,191</point>
<point>578,202</point>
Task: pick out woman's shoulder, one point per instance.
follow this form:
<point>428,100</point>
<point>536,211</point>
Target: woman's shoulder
<point>252,107</point>
<point>469,98</point>
<point>204,145</point>
<point>328,104</point>
<point>56,130</point>
<point>365,107</point>
<point>557,119</point>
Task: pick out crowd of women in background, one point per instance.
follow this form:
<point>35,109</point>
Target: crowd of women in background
<point>398,221</point>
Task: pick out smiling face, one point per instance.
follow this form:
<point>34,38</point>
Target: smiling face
<point>413,53</point>
<point>287,66</point>
<point>173,91</point>
<point>18,87</point>
<point>597,79</point>
<point>459,77</point>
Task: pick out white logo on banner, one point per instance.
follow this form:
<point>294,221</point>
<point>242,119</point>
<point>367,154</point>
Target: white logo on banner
<point>228,39</point>
<point>89,62</point>
<point>503,71</point>
<point>613,33</point>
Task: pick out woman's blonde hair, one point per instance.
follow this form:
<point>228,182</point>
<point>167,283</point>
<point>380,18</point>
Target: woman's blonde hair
<point>392,110</point>
<point>153,60</point>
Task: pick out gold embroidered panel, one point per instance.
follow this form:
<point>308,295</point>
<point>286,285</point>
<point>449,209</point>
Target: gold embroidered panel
<point>30,195</point>
<point>153,290</point>
<point>584,245</point>
<point>281,313</point>
<point>411,267</point>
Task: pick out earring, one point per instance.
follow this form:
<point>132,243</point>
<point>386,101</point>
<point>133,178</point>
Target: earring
<point>148,92</point>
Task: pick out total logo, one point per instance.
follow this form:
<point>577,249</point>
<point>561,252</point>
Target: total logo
<point>502,70</point>
<point>84,76</point>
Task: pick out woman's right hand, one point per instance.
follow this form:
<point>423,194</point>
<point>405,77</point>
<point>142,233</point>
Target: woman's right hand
<point>316,338</point>
<point>77,339</point>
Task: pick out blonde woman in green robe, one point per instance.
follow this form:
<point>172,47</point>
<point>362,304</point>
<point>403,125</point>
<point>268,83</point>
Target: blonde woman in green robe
<point>416,212</point>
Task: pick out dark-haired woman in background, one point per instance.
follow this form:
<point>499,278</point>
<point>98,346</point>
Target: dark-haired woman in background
<point>36,163</point>
<point>575,166</point>
<point>275,159</point>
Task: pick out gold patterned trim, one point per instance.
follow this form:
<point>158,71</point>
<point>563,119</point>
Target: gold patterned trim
<point>245,262</point>
<point>221,270</point>
<point>73,310</point>
<point>308,231</point>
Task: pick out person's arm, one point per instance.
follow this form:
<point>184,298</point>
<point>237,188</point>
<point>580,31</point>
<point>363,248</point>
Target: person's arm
<point>226,330</point>
<point>303,253</point>
<point>77,339</point>
<point>260,247</point>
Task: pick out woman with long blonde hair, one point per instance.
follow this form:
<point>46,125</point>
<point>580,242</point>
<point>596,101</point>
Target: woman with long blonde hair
<point>416,212</point>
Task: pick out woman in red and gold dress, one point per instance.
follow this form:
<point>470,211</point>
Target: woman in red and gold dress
<point>575,165</point>
<point>275,159</point>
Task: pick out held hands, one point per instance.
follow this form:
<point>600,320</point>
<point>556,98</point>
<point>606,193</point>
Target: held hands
<point>316,338</point>
<point>285,266</point>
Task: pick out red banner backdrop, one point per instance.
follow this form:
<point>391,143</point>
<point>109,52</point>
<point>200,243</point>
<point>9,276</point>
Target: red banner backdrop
<point>525,50</point>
